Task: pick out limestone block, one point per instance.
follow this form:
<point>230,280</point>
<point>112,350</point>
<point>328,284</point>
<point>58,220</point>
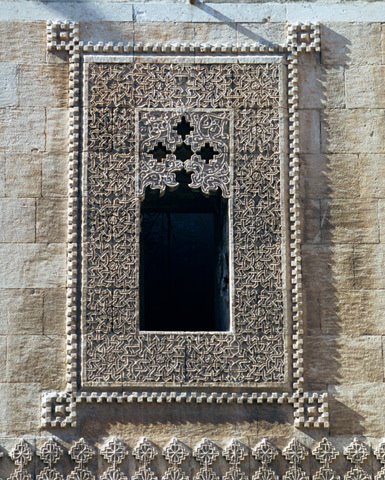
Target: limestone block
<point>17,220</point>
<point>2,174</point>
<point>51,220</point>
<point>353,131</point>
<point>23,42</point>
<point>55,58</point>
<point>3,356</point>
<point>343,360</point>
<point>21,311</point>
<point>312,221</point>
<point>153,32</point>
<point>309,131</point>
<point>107,32</point>
<point>351,43</point>
<point>37,359</point>
<point>331,175</point>
<point>381,219</point>
<point>263,33</point>
<point>20,408</point>
<point>364,87</point>
<point>54,175</point>
<point>328,267</point>
<point>54,311</point>
<point>23,175</point>
<point>383,42</point>
<point>8,83</point>
<point>221,13</point>
<point>352,312</point>
<point>357,408</point>
<point>349,221</point>
<point>372,176</point>
<point>214,33</point>
<point>321,86</point>
<point>23,129</point>
<point>312,310</point>
<point>32,265</point>
<point>57,130</point>
<point>43,85</point>
<point>369,266</point>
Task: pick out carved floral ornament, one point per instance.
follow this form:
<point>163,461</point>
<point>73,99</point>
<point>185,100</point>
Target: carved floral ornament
<point>196,141</point>
<point>221,123</point>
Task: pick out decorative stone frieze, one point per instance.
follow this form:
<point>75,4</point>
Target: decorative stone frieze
<point>206,459</point>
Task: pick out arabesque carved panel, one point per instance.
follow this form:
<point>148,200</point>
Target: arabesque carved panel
<point>131,115</point>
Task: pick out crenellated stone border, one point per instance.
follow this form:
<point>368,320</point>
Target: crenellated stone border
<point>310,408</point>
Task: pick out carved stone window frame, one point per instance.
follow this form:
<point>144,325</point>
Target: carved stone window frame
<point>310,408</point>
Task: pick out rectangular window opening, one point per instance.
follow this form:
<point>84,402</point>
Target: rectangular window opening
<point>184,262</point>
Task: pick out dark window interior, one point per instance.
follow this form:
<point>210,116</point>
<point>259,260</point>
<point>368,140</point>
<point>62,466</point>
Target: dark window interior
<point>184,277</point>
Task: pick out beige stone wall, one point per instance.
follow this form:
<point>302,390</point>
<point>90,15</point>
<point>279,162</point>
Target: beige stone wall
<point>342,121</point>
<point>33,190</point>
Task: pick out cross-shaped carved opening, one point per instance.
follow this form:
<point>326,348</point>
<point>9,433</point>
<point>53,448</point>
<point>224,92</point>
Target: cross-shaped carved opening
<point>183,152</point>
<point>183,128</point>
<point>207,152</point>
<point>159,152</point>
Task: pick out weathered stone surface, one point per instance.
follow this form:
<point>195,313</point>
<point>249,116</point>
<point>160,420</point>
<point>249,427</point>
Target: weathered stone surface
<point>54,175</point>
<point>43,85</point>
<point>333,175</point>
<point>351,43</point>
<point>8,83</point>
<point>371,176</point>
<point>54,311</point>
<point>353,221</point>
<point>344,360</point>
<point>153,32</point>
<point>311,296</point>
<point>354,409</point>
<point>214,33</point>
<point>312,223</point>
<point>38,358</point>
<point>321,86</point>
<point>263,33</point>
<point>369,265</point>
<point>328,266</point>
<point>20,408</point>
<point>383,42</point>
<point>21,311</point>
<point>2,174</point>
<point>107,32</point>
<point>51,220</point>
<point>32,265</point>
<point>351,312</point>
<point>309,133</point>
<point>23,175</point>
<point>364,88</point>
<point>353,131</point>
<point>3,356</point>
<point>17,220</point>
<point>23,129</point>
<point>22,42</point>
<point>57,130</point>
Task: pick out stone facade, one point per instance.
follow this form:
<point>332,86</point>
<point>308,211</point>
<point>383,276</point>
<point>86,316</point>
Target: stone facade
<point>325,418</point>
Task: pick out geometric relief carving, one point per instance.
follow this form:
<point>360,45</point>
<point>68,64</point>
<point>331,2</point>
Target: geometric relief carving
<point>220,124</point>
